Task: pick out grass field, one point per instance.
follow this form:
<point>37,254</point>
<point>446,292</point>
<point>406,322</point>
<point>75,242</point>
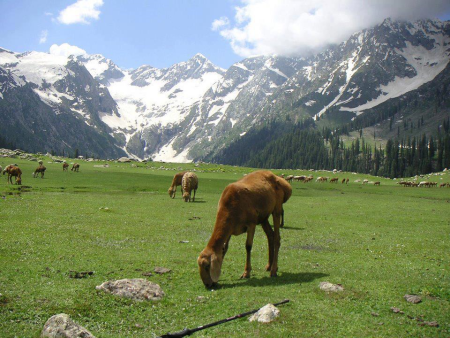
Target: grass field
<point>380,243</point>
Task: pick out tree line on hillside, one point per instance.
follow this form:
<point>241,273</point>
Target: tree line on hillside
<point>282,145</point>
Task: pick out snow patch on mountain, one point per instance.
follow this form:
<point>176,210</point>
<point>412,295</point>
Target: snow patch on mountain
<point>150,105</point>
<point>426,63</point>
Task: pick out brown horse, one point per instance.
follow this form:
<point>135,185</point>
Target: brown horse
<point>41,169</point>
<point>65,166</point>
<point>12,170</point>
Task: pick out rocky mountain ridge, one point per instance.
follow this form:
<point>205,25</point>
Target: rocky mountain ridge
<point>194,109</point>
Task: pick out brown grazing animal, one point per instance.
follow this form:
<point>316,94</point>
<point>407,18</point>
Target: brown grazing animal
<point>377,183</point>
<point>289,178</point>
<point>343,181</point>
<point>41,169</point>
<point>13,170</point>
<point>175,183</point>
<point>243,205</point>
<point>334,180</point>
<point>189,182</point>
<point>309,178</point>
<point>75,167</point>
<point>65,166</point>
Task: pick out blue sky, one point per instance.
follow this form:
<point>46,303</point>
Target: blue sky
<point>160,33</point>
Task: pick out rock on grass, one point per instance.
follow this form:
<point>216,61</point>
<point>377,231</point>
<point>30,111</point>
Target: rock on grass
<point>266,314</point>
<point>160,270</point>
<point>413,299</point>
<point>329,287</point>
<point>137,289</point>
<point>62,326</point>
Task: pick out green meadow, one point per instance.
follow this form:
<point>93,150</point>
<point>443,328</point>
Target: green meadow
<point>379,242</point>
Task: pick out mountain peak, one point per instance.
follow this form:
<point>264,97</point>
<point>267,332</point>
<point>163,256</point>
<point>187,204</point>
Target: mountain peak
<point>199,56</point>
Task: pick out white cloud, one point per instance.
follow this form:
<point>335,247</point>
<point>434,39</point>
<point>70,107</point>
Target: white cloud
<point>301,27</point>
<point>80,12</point>
<point>220,23</point>
<point>65,50</point>
<point>43,38</point>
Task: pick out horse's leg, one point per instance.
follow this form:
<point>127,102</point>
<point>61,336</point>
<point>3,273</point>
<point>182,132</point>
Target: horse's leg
<point>269,233</point>
<point>276,244</point>
<point>248,247</point>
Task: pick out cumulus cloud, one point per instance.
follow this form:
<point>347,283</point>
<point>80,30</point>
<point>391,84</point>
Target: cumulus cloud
<point>81,12</point>
<point>65,50</point>
<point>302,27</point>
<point>43,38</point>
<point>220,23</point>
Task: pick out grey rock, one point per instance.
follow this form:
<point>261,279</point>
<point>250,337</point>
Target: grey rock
<point>329,287</point>
<point>137,289</point>
<point>266,314</point>
<point>413,299</point>
<point>62,326</point>
<point>161,271</point>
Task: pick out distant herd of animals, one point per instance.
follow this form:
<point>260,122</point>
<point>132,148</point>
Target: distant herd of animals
<point>243,205</point>
<point>13,170</point>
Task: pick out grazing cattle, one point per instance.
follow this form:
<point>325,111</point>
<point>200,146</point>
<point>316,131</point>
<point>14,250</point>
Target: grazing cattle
<point>343,181</point>
<point>189,182</point>
<point>65,166</point>
<point>346,181</point>
<point>175,183</point>
<point>39,170</point>
<point>365,181</point>
<point>75,167</point>
<point>322,179</point>
<point>15,171</point>
<point>243,205</point>
<point>377,183</point>
<point>334,180</point>
<point>289,178</point>
<point>309,178</point>
<point>299,178</point>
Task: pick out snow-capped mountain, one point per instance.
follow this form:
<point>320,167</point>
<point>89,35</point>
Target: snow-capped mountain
<point>194,108</point>
<point>50,102</point>
<point>368,69</point>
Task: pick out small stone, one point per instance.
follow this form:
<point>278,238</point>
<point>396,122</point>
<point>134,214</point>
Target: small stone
<point>266,314</point>
<point>137,289</point>
<point>201,298</point>
<point>374,314</point>
<point>329,287</point>
<point>62,326</point>
<point>396,310</point>
<point>147,274</point>
<point>413,299</point>
<point>161,271</point>
<point>432,324</point>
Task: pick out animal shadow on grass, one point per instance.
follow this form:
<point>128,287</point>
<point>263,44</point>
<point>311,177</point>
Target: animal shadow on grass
<point>292,228</point>
<point>198,200</point>
<point>284,278</point>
